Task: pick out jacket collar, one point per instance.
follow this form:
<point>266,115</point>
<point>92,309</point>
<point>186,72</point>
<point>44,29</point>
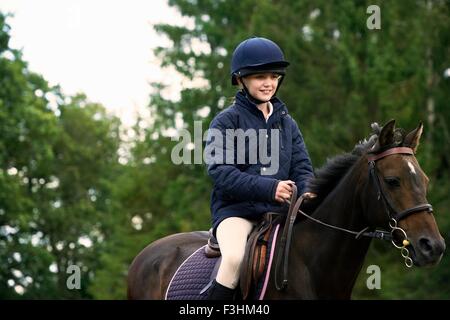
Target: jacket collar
<point>244,102</point>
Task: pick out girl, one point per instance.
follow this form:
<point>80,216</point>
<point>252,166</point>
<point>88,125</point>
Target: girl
<point>243,192</point>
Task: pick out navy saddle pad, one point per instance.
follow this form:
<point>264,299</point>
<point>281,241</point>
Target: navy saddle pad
<point>193,277</point>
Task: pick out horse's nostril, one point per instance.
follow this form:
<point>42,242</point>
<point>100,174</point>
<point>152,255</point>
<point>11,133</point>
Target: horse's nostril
<point>431,249</point>
<point>425,246</point>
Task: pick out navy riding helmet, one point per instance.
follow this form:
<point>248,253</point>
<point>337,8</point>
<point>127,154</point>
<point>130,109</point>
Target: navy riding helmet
<point>257,55</point>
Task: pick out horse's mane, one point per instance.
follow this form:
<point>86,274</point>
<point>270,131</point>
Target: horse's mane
<point>327,177</point>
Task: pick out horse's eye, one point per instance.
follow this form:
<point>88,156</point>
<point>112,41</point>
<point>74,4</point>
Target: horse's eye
<point>392,181</point>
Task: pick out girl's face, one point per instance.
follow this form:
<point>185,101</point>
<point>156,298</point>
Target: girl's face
<point>262,86</point>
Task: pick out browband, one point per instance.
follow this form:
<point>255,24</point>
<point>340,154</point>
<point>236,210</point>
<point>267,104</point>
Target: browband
<point>402,150</point>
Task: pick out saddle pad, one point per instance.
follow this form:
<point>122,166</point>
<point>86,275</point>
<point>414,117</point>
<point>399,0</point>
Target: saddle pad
<point>194,274</point>
<point>191,277</point>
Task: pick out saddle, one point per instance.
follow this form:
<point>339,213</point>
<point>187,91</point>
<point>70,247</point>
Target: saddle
<point>256,250</point>
<point>254,262</point>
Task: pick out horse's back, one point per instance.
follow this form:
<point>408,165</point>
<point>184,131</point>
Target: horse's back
<point>151,270</point>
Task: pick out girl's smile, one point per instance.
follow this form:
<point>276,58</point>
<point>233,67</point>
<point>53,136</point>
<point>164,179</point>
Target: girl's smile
<point>262,86</point>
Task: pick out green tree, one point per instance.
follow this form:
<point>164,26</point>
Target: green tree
<point>27,131</point>
<point>58,161</point>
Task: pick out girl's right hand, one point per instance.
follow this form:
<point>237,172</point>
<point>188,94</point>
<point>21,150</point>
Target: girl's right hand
<point>284,190</point>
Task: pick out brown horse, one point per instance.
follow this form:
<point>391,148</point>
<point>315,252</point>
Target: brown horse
<point>378,185</point>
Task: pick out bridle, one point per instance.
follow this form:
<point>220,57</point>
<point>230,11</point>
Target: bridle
<point>393,214</point>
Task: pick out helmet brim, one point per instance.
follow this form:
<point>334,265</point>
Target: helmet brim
<point>278,68</point>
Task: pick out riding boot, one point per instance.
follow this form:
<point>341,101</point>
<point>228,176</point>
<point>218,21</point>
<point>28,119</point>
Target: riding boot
<point>220,292</point>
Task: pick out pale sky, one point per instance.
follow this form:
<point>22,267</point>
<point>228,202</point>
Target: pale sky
<point>100,47</point>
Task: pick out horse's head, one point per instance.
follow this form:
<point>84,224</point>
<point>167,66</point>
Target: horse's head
<point>397,195</point>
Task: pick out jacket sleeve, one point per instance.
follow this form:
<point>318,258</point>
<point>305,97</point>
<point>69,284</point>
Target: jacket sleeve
<point>227,177</point>
<point>301,170</point>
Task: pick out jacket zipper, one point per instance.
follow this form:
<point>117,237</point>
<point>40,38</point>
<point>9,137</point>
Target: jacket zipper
<point>280,127</point>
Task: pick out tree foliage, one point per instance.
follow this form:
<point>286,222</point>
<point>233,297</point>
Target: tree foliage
<point>58,158</point>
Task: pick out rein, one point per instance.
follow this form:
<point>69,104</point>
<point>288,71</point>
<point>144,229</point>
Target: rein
<point>285,242</point>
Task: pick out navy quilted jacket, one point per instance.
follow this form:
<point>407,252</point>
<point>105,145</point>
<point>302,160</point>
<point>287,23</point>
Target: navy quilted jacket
<point>240,189</point>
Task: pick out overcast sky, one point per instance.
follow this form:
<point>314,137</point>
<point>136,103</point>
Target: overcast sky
<point>99,47</point>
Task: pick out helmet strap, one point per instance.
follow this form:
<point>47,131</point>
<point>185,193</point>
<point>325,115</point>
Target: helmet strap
<point>279,85</point>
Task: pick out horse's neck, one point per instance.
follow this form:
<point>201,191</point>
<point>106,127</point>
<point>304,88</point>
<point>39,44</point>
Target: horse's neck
<point>334,258</point>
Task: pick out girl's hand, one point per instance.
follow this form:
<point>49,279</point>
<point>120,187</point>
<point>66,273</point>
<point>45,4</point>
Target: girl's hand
<point>284,190</point>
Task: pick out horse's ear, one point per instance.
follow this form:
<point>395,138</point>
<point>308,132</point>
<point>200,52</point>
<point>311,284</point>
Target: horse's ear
<point>386,136</point>
<point>413,138</point>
